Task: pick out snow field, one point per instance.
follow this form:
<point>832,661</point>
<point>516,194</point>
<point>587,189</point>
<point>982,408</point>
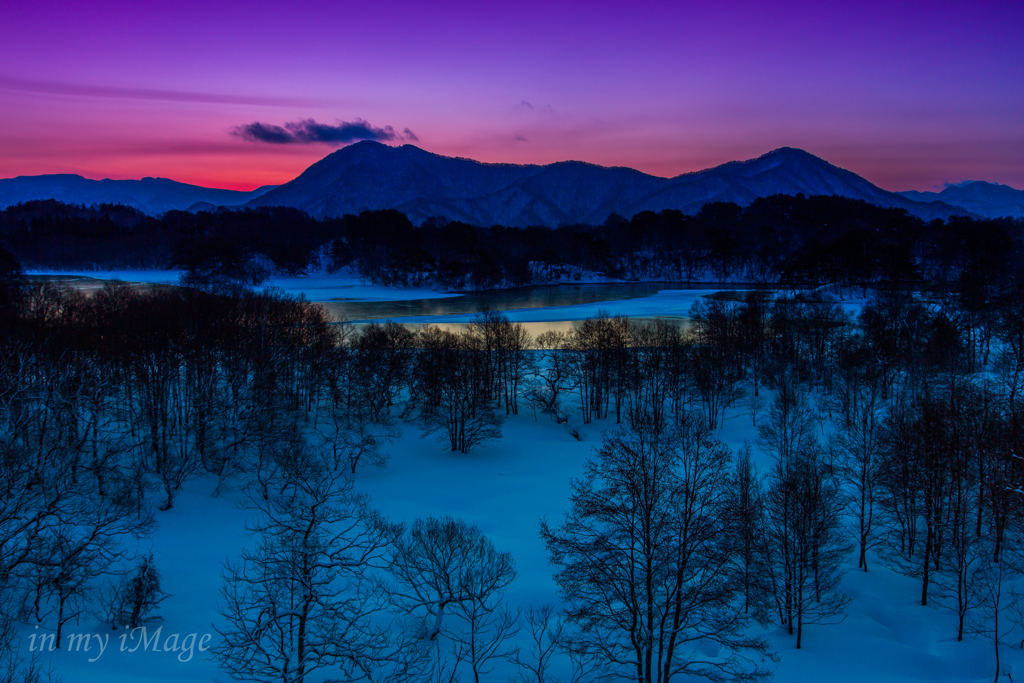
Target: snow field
<point>506,487</point>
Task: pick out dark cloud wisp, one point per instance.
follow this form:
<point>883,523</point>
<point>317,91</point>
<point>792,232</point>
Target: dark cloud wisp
<point>263,132</point>
<point>308,131</point>
<point>115,92</point>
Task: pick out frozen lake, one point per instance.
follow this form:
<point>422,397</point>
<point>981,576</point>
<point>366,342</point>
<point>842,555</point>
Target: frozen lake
<point>540,308</point>
<point>520,298</point>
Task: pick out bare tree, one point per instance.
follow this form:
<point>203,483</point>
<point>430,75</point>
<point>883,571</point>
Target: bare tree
<point>921,444</point>
<point>304,600</point>
<point>648,373</point>
<point>717,366</point>
<point>441,564</point>
<point>58,536</point>
<point>597,353</point>
<point>805,523</point>
<point>131,601</point>
<point>745,513</point>
<point>857,445</point>
<point>552,376</point>
<point>448,568</point>
<point>959,546</point>
<point>361,442</point>
<point>790,426</point>
<point>26,670</point>
<point>504,345</point>
<point>998,616</point>
<point>381,356</point>
<point>546,637</point>
<point>754,330</point>
<point>549,637</point>
<point>482,635</point>
<point>643,561</point>
<point>463,414</point>
<point>755,401</point>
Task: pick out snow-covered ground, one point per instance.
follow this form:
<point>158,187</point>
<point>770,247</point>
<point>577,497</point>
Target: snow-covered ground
<point>506,487</point>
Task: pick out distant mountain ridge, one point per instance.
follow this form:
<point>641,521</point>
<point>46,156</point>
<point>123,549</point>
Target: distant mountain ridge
<point>985,199</point>
<point>149,195</point>
<point>421,184</point>
<point>371,175</point>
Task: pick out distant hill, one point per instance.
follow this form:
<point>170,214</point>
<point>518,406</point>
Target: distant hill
<point>150,195</point>
<point>985,199</point>
<point>371,175</point>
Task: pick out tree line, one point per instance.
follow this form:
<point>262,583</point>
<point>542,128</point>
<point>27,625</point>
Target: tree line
<point>792,240</point>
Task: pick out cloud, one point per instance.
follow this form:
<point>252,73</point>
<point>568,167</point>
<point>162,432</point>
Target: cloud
<point>263,132</point>
<point>530,106</point>
<point>308,131</point>
<point>519,137</point>
<point>113,92</point>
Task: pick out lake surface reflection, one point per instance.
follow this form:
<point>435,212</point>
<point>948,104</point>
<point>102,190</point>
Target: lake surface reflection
<point>507,299</point>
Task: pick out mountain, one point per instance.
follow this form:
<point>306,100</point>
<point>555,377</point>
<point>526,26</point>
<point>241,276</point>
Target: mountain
<point>150,195</point>
<point>371,175</point>
<point>985,199</point>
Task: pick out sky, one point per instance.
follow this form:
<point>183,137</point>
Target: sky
<point>911,95</point>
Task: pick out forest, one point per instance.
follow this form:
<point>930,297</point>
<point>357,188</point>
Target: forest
<point>792,240</point>
<point>893,435</point>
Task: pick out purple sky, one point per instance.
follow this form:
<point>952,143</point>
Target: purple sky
<point>909,95</point>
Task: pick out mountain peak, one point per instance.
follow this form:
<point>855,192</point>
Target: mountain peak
<point>793,154</point>
<point>982,185</point>
<point>796,151</point>
<point>425,185</point>
<point>361,147</point>
<point>991,200</point>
